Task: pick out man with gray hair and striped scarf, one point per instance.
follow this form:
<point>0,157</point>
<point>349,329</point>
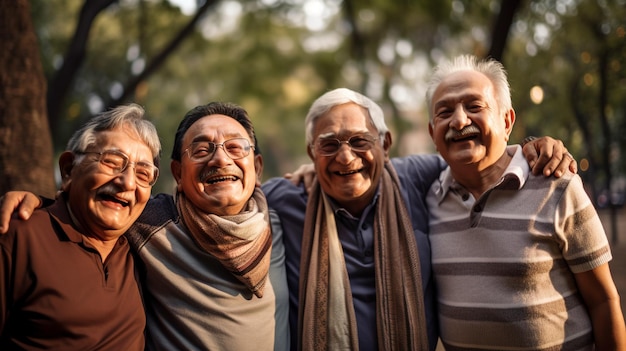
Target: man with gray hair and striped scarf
<point>520,261</point>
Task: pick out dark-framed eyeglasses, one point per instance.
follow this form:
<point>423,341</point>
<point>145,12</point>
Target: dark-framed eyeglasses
<point>330,146</point>
<point>114,162</point>
<point>203,151</point>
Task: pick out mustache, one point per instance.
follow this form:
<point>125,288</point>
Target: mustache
<point>453,134</point>
<point>112,190</point>
<point>220,172</point>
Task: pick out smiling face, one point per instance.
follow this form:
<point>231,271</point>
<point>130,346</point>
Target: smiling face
<point>221,185</point>
<point>106,205</point>
<point>350,178</point>
<point>467,127</point>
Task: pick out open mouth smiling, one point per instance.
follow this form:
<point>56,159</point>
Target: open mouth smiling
<point>112,198</point>
<point>224,178</point>
<point>466,137</point>
<point>345,173</point>
<point>468,133</point>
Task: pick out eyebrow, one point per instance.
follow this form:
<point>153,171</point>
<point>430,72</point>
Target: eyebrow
<point>209,139</point>
<point>343,133</point>
<point>461,98</point>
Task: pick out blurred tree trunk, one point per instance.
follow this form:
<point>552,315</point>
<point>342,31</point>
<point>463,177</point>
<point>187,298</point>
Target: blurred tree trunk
<point>25,142</point>
<point>501,28</point>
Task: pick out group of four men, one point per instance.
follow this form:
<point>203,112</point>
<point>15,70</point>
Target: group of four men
<point>227,263</point>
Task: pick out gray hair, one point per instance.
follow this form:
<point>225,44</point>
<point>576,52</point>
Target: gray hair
<point>129,116</point>
<point>492,69</point>
<point>341,96</point>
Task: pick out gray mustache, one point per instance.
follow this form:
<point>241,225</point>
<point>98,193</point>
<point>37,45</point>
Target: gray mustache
<point>452,134</point>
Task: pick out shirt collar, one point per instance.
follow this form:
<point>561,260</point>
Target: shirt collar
<point>59,211</point>
<point>513,177</point>
<point>340,210</point>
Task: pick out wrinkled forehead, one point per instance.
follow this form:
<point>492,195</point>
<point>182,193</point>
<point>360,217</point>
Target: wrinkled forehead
<point>343,121</point>
<point>125,140</point>
<point>457,85</point>
<point>215,128</point>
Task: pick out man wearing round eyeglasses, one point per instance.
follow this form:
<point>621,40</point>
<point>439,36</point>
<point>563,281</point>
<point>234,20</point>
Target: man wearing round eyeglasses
<point>213,269</point>
<point>67,278</point>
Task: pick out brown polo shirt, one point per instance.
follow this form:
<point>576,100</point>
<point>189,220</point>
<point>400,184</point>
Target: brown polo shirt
<point>57,294</point>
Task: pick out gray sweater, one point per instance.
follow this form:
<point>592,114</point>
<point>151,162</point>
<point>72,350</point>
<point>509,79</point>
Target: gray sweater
<point>192,301</point>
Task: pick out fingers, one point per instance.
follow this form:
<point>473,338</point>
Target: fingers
<point>567,163</point>
<point>531,155</point>
<point>540,154</point>
<point>573,166</point>
<point>304,174</point>
<point>309,180</point>
<point>549,156</point>
<point>555,160</point>
<point>21,202</point>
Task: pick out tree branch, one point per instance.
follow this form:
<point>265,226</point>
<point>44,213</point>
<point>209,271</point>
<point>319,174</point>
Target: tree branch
<point>63,79</point>
<point>501,28</point>
<point>159,59</point>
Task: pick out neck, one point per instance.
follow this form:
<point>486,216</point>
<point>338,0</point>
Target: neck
<point>478,180</point>
<point>104,247</point>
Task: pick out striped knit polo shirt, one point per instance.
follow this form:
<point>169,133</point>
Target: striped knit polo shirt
<point>504,264</point>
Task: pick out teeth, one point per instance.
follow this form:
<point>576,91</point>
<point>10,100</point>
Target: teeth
<point>461,137</point>
<point>115,199</point>
<point>221,179</point>
<point>349,172</point>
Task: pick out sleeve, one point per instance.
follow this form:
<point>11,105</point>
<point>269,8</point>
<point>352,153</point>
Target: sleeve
<point>6,267</point>
<point>577,223</point>
<point>278,277</point>
<point>418,172</point>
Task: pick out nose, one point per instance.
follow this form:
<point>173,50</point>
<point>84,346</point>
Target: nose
<point>459,119</point>
<point>219,155</point>
<point>345,155</point>
<point>127,177</point>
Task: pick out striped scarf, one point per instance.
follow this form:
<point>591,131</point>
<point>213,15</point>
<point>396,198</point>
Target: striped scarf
<point>242,243</point>
<point>326,319</point>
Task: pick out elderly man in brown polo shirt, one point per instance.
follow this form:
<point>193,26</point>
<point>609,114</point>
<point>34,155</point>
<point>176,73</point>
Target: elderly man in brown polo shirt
<point>67,277</point>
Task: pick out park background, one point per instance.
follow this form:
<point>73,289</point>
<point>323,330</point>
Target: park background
<point>61,61</point>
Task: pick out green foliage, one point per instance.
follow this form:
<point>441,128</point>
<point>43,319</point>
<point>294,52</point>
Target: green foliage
<point>559,48</point>
<point>275,57</point>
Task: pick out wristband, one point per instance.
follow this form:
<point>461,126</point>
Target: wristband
<point>527,140</point>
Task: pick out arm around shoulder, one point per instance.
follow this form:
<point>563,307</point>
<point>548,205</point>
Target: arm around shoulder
<point>21,202</point>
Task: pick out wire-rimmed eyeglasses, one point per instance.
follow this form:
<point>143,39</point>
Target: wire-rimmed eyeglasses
<point>330,146</point>
<point>114,162</point>
<point>203,151</point>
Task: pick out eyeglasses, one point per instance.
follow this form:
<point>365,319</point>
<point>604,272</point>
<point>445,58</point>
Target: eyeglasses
<point>113,162</point>
<point>330,146</point>
<point>203,151</point>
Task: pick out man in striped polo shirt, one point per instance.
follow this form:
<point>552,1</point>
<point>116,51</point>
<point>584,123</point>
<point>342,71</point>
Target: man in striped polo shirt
<point>520,261</point>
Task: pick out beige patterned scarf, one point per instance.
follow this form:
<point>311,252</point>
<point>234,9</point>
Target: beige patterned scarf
<point>326,319</point>
<point>242,243</point>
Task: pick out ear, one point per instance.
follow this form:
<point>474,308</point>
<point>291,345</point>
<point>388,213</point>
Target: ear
<point>176,168</point>
<point>509,121</point>
<point>66,165</point>
<point>258,168</point>
<point>387,144</point>
<point>431,131</point>
<point>309,151</point>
